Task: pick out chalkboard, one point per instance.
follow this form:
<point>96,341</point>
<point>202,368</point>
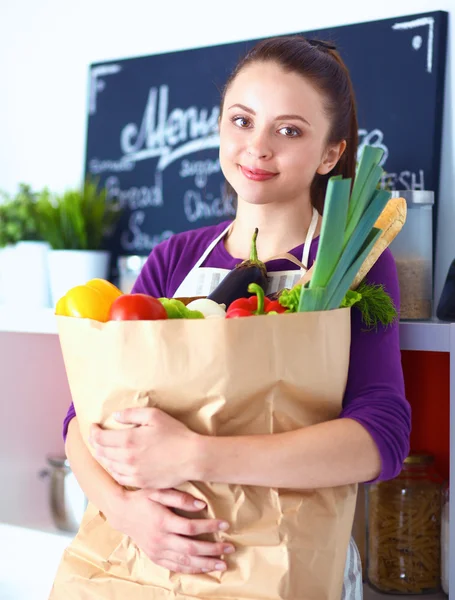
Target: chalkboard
<point>152,122</point>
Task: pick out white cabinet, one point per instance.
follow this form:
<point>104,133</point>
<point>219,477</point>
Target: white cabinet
<point>28,562</point>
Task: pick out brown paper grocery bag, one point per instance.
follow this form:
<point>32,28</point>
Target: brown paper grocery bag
<point>260,375</point>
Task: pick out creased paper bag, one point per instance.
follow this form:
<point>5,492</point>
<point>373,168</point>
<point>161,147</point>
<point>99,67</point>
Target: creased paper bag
<point>260,375</point>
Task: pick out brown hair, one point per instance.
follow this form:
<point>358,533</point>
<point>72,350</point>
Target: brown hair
<point>320,63</point>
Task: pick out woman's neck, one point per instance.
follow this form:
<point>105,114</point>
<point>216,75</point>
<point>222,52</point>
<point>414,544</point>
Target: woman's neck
<point>281,228</point>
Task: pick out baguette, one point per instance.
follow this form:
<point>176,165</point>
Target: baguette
<point>391,221</point>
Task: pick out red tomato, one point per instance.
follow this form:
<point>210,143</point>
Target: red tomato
<point>136,307</point>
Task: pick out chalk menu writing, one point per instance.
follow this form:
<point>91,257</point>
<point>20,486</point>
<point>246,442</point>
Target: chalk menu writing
<point>152,137</point>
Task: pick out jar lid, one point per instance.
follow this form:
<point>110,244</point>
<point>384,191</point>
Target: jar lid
<point>58,461</point>
<point>419,459</point>
<point>414,197</point>
<point>132,262</point>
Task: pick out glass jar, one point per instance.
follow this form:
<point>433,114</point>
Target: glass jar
<point>404,530</point>
<point>129,268</point>
<point>413,253</point>
<point>445,539</point>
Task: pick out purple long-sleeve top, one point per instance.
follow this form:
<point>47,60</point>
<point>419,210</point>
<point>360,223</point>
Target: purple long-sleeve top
<point>374,395</point>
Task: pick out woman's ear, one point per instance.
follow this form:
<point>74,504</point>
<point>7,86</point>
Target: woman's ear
<point>331,156</point>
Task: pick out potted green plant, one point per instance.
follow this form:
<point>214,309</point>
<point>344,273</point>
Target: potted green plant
<point>23,259</point>
<point>76,224</point>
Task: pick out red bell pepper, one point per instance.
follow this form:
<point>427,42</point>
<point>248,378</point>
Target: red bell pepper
<point>255,305</point>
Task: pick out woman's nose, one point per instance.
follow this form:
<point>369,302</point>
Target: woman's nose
<point>259,146</point>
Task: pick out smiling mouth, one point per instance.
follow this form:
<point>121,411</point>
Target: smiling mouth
<point>257,174</point>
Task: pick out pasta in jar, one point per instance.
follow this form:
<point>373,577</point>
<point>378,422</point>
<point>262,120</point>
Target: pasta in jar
<point>404,528</point>
<point>445,569</point>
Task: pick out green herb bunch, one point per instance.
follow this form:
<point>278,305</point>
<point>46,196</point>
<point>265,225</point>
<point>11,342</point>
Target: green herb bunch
<point>78,219</point>
<point>373,302</point>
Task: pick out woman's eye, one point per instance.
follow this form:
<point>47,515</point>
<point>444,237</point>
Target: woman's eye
<point>241,122</point>
<point>290,131</point>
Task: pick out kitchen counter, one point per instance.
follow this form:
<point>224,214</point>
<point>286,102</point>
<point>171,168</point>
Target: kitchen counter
<point>430,335</point>
<point>28,561</point>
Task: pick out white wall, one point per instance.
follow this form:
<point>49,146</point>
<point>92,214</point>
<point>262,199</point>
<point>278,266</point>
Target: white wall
<point>46,47</point>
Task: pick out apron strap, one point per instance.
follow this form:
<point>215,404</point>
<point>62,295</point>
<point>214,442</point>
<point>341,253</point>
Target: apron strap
<point>289,257</point>
<point>309,237</point>
<point>306,247</point>
<point>211,246</point>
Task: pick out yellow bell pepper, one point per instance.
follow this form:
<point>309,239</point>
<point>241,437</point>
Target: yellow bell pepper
<point>60,308</point>
<point>108,289</point>
<point>90,301</point>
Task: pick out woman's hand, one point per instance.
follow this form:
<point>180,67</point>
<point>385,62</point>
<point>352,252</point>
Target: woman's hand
<point>159,454</point>
<point>165,537</point>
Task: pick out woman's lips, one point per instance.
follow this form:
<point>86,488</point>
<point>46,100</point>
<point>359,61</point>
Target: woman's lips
<point>257,174</point>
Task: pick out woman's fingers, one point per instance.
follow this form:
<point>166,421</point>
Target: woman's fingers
<point>190,547</point>
<point>120,455</point>
<point>177,499</point>
<point>198,564</point>
<point>115,467</point>
<point>111,437</point>
<point>193,527</point>
<point>126,480</point>
<point>161,534</point>
<point>178,568</point>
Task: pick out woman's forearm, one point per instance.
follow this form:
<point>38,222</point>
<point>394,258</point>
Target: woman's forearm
<point>97,484</point>
<point>325,455</point>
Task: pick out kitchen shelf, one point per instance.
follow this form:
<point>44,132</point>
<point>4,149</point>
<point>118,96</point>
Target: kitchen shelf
<point>432,335</point>
<point>369,594</point>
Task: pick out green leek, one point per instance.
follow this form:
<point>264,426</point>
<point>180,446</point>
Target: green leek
<point>347,233</point>
<point>332,230</point>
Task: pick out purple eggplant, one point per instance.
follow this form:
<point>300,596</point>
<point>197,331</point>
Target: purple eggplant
<point>235,284</point>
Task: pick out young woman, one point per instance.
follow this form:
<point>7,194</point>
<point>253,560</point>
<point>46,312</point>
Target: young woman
<point>288,123</point>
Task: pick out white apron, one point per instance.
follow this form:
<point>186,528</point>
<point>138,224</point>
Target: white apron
<point>201,281</point>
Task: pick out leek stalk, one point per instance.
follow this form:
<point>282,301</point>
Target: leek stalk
<point>347,233</point>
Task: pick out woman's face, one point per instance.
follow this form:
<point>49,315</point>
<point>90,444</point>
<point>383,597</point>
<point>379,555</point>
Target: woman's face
<point>272,135</point>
